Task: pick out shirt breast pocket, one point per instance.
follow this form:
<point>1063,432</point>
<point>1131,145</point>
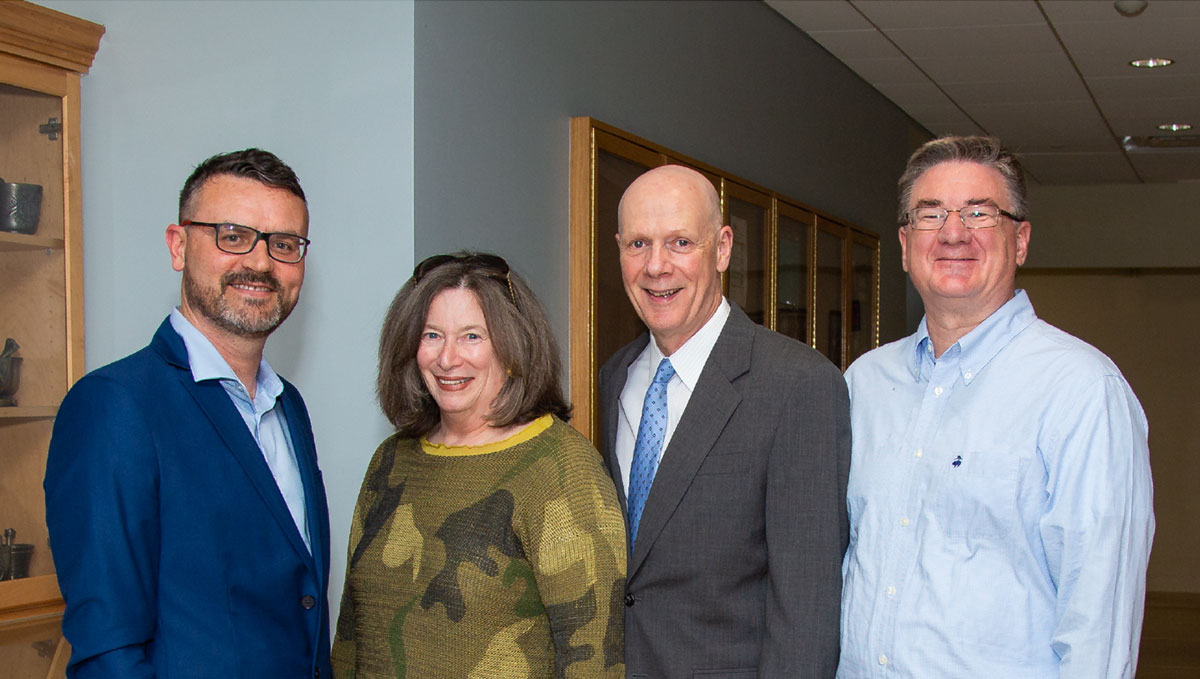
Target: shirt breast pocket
<point>977,495</point>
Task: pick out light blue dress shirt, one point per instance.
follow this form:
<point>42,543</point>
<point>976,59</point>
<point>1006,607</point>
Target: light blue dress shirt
<point>1000,508</point>
<point>264,420</point>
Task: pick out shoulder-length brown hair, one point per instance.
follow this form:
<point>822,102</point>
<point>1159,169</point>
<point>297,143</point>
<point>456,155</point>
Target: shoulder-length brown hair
<point>520,334</point>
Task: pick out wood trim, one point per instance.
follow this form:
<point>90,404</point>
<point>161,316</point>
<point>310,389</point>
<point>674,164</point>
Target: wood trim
<point>47,36</point>
<point>581,369</point>
<point>73,236</point>
<point>58,665</point>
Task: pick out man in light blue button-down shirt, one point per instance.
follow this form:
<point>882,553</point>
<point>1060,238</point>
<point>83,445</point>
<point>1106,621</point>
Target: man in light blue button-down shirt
<point>1000,492</point>
<point>184,502</point>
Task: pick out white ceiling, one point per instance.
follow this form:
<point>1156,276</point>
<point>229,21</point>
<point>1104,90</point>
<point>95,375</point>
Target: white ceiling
<point>1050,78</point>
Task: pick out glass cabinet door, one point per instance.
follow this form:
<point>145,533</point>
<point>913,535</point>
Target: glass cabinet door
<point>33,316</point>
<point>864,296</point>
<point>749,214</point>
<point>793,272</point>
<point>41,322</point>
<point>829,334</point>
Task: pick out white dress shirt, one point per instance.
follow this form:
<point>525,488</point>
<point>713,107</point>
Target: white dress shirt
<point>688,362</point>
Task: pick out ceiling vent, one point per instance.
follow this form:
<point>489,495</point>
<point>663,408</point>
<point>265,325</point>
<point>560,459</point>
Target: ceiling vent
<point>1175,142</point>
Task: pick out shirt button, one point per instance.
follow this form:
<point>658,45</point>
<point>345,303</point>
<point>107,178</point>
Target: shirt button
<point>628,599</point>
<point>891,591</point>
<point>308,602</point>
<point>937,391</point>
<point>919,453</point>
<point>904,521</point>
<point>967,375</point>
<point>883,660</point>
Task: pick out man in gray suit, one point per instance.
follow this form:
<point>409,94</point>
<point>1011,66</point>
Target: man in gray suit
<point>730,446</point>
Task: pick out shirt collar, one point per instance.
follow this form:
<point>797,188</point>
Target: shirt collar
<point>689,359</point>
<point>207,363</point>
<point>976,348</point>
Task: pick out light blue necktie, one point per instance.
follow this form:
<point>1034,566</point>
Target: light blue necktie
<point>651,431</point>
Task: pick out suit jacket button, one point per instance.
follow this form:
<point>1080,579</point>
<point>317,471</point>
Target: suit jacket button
<point>629,599</point>
<point>308,602</point>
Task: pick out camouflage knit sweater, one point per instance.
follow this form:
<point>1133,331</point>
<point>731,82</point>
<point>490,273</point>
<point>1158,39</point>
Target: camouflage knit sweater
<point>492,562</point>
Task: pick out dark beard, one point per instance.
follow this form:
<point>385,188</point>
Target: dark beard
<point>256,322</point>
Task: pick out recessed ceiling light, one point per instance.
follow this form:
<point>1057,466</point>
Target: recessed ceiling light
<point>1130,8</point>
<point>1175,127</point>
<point>1154,62</point>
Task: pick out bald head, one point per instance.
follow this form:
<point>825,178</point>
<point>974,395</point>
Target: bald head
<point>674,185</point>
<point>673,250</point>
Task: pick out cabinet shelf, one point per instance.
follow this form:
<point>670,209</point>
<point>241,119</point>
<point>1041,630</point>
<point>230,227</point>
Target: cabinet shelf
<point>28,412</point>
<point>20,241</point>
<point>29,601</point>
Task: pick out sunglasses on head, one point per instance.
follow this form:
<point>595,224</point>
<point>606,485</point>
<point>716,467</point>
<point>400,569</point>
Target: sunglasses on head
<point>498,268</point>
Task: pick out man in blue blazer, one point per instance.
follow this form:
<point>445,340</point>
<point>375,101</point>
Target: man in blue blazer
<point>186,511</point>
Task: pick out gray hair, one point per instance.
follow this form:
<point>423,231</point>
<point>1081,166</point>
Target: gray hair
<point>985,151</point>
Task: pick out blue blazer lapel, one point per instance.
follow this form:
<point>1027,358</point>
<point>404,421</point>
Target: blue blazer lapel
<point>300,430</point>
<point>713,402</point>
<point>214,402</point>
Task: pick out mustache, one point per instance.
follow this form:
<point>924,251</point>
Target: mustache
<point>250,277</point>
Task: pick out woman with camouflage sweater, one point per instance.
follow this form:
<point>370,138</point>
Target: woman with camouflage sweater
<point>487,541</point>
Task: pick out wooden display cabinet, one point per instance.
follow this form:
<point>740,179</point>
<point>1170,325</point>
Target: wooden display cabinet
<point>808,275</point>
<point>42,55</point>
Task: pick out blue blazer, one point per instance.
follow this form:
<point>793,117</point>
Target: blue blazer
<point>176,554</point>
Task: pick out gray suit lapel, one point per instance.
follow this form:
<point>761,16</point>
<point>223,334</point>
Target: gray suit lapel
<point>713,402</point>
<point>610,408</point>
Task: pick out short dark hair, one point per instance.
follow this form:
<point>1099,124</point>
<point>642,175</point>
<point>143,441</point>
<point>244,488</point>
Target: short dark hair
<point>982,150</point>
<point>257,164</point>
<point>520,333</point>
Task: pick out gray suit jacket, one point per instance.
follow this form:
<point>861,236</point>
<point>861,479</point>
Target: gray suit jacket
<point>737,567</point>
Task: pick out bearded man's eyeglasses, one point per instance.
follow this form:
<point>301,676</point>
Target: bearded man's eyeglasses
<point>236,239</point>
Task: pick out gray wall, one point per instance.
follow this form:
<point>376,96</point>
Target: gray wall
<point>728,83</point>
<point>325,85</point>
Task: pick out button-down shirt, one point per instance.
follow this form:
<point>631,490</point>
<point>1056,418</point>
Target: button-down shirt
<point>264,420</point>
<point>1000,508</point>
<point>688,361</point>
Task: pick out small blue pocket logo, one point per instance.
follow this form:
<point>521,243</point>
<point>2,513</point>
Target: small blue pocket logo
<point>957,460</point>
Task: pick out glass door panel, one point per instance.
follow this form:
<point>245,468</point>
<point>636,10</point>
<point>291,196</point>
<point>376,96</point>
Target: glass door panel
<point>749,215</point>
<point>829,336</point>
<point>793,272</point>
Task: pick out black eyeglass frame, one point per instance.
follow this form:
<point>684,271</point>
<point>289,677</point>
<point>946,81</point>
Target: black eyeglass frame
<point>909,221</point>
<point>258,236</point>
<point>484,260</point>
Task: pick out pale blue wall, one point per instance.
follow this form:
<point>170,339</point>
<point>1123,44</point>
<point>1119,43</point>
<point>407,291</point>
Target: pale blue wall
<point>325,85</point>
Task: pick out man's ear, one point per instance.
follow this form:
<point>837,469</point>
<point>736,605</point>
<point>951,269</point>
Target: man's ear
<point>904,249</point>
<point>724,247</point>
<point>1023,234</point>
<point>177,245</point>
